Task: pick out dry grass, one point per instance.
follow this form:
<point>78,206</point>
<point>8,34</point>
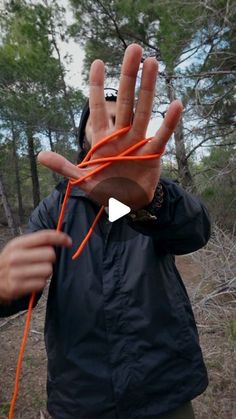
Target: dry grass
<point>214,303</point>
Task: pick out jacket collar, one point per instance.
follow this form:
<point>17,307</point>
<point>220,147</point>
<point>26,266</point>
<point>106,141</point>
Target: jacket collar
<point>75,191</point>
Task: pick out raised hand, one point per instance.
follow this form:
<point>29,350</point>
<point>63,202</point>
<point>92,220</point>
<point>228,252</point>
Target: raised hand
<point>145,174</point>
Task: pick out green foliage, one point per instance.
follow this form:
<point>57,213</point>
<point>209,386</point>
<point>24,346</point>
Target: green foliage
<point>34,99</point>
<point>33,74</point>
<point>156,25</point>
<point>232,329</point>
<point>27,51</point>
<point>4,408</point>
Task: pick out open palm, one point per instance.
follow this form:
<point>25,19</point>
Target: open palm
<point>117,178</point>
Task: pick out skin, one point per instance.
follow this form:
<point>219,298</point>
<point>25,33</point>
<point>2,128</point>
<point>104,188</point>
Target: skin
<point>111,114</point>
<point>26,262</point>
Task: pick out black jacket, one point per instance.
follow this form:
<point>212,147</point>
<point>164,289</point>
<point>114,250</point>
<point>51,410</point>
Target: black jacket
<point>120,333</point>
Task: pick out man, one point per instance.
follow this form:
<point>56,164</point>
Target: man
<point>120,334</point>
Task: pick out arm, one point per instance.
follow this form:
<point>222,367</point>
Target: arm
<point>26,261</point>
<point>181,225</point>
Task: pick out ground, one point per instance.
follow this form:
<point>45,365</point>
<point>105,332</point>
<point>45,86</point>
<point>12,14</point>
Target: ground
<point>218,348</point>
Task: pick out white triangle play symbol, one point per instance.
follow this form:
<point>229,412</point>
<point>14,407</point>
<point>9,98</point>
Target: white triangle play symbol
<point>116,209</point>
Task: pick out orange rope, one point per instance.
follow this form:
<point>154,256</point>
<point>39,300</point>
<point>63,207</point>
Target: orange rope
<point>91,230</point>
<point>20,357</point>
<point>103,162</point>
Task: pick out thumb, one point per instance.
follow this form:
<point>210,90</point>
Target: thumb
<point>58,164</point>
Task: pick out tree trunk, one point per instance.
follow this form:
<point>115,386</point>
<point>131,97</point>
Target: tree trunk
<point>33,168</point>
<point>54,175</point>
<point>10,219</point>
<point>182,161</point>
<point>184,173</point>
<point>17,177</point>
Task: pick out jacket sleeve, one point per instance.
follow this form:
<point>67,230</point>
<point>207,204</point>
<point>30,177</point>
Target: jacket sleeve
<point>182,224</point>
<point>43,217</point>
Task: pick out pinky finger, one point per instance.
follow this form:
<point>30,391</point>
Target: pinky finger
<point>168,126</point>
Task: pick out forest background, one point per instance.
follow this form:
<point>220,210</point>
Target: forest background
<point>194,42</point>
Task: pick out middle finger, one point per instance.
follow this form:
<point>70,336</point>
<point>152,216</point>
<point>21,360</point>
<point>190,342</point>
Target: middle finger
<point>125,98</point>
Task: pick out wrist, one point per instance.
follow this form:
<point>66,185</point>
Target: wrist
<point>150,211</point>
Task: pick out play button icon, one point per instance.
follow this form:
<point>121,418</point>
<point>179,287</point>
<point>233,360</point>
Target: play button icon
<point>116,209</point>
<point>119,201</point>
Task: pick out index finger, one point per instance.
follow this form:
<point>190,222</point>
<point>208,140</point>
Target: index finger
<point>43,238</point>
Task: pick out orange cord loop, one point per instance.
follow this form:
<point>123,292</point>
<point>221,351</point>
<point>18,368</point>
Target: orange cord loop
<point>103,162</point>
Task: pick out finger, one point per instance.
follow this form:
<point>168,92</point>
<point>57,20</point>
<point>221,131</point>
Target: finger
<point>58,164</point>
<point>159,141</point>
<point>31,256</point>
<point>97,103</point>
<point>36,271</point>
<point>27,287</point>
<point>125,98</point>
<point>145,101</point>
<point>41,238</point>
